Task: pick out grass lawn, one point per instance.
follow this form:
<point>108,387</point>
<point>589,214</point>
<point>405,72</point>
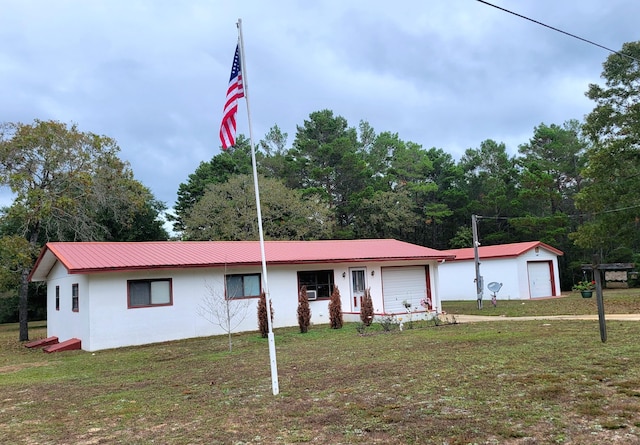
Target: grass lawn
<point>502,382</point>
<point>616,301</point>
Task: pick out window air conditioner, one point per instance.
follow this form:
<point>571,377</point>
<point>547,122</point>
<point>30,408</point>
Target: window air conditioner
<point>311,295</point>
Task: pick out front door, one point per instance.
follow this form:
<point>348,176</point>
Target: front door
<point>357,287</point>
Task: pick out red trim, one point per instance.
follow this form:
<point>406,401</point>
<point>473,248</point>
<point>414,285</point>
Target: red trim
<point>553,279</point>
<point>427,274</point>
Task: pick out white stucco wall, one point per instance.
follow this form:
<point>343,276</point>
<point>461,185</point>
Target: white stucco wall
<point>65,323</point>
<point>104,319</point>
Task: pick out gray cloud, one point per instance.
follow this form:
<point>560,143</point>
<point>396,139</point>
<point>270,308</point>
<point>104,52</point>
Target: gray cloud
<point>153,74</point>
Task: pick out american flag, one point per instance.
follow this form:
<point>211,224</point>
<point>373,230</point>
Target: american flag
<point>234,92</point>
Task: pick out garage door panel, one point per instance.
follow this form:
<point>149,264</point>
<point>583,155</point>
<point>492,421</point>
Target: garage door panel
<point>539,279</point>
<point>403,284</point>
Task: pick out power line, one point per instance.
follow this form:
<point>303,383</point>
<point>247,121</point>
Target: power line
<point>561,31</point>
<point>579,215</point>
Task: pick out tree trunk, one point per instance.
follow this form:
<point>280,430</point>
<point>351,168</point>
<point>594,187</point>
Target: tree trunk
<point>22,306</point>
<point>23,294</point>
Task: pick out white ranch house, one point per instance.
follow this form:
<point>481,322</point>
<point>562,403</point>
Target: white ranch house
<point>112,294</point>
<point>526,270</point>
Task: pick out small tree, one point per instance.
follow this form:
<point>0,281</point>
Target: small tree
<point>218,310</point>
<point>335,309</point>
<point>366,308</point>
<point>263,323</point>
<point>304,311</point>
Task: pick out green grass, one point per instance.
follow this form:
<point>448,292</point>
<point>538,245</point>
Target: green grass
<point>502,382</point>
<point>616,301</point>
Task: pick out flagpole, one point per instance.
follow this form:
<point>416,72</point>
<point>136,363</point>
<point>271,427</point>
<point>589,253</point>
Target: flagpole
<point>265,286</point>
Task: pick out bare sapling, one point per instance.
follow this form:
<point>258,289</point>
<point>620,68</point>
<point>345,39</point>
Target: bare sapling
<point>227,313</point>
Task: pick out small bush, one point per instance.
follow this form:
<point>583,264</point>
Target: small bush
<point>361,328</point>
<point>388,322</point>
<point>304,311</point>
<point>263,324</point>
<point>335,309</point>
<point>366,308</point>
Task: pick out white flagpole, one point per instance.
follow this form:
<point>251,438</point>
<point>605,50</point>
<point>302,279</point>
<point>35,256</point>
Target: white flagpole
<point>265,286</point>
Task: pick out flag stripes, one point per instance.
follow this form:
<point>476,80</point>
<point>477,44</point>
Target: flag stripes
<point>234,92</point>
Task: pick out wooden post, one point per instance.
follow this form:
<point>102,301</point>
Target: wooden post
<point>597,276</point>
<point>597,269</point>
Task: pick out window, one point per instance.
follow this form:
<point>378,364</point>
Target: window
<point>319,280</point>
<point>144,293</point>
<point>75,307</point>
<point>57,298</point>
<point>243,286</point>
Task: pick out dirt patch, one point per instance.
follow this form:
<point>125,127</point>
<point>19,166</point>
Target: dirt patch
<point>19,367</point>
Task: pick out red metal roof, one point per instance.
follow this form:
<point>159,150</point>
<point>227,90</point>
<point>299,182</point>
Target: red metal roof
<point>500,250</point>
<point>84,257</point>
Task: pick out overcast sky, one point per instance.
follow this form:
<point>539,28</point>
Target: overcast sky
<point>153,74</point>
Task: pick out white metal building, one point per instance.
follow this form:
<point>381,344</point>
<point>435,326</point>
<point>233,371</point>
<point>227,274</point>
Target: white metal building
<point>526,270</point>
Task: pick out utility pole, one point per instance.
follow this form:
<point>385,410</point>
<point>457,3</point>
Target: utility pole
<point>479,280</point>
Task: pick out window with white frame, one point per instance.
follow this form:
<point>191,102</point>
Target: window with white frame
<point>146,293</point>
<point>243,285</point>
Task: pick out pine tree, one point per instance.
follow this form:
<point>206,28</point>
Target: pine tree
<point>366,308</point>
<point>335,309</point>
<point>263,325</point>
<point>304,311</point>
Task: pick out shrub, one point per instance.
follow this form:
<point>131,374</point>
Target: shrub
<point>366,308</point>
<point>335,309</point>
<point>361,328</point>
<point>304,311</point>
<point>263,324</point>
<point>388,322</point>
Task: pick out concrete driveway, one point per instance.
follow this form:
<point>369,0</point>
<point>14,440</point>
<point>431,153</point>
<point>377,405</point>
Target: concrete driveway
<point>478,318</point>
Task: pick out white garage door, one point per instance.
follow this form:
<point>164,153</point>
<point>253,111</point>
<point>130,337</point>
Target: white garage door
<point>539,279</point>
<point>403,284</point>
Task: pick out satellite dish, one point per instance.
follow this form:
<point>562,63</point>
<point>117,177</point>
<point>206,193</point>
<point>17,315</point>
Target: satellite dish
<point>494,286</point>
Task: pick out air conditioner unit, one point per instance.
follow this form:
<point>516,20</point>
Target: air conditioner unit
<point>311,295</point>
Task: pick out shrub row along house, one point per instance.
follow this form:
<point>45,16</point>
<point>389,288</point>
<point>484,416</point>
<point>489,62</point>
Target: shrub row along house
<point>113,294</point>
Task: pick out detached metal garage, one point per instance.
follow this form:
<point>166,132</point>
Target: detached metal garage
<point>526,270</point>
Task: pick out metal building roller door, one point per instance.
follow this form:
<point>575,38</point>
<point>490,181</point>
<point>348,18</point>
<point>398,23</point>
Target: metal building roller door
<point>400,284</point>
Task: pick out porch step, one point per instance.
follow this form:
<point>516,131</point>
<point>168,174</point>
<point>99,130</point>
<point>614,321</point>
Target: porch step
<point>67,345</point>
<point>42,342</point>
